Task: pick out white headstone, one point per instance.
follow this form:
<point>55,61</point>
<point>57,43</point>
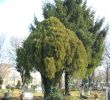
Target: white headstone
<point>3,86</point>
<point>39,89</point>
<point>107,93</point>
<point>27,96</point>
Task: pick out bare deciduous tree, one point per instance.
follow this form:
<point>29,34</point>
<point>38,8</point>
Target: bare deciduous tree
<point>4,70</point>
<point>7,55</point>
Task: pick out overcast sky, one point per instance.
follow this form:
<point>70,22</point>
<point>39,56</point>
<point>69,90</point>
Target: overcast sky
<point>17,15</point>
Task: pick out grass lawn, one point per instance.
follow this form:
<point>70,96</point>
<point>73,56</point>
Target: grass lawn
<point>16,94</point>
<point>75,95</point>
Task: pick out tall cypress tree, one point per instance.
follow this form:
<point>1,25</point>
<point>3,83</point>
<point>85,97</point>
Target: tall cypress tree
<point>76,16</point>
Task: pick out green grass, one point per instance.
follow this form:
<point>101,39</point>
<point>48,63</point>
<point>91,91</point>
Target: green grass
<point>75,95</point>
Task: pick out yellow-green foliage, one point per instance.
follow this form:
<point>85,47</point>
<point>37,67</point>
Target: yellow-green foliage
<point>76,58</point>
<point>50,67</point>
<point>51,47</point>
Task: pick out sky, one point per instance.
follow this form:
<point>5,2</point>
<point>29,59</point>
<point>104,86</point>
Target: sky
<point>101,8</point>
<point>17,15</point>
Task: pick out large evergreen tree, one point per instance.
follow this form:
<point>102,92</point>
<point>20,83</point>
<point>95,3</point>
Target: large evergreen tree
<point>49,48</point>
<point>76,16</point>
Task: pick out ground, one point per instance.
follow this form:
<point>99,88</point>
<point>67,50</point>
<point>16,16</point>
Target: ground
<point>75,95</point>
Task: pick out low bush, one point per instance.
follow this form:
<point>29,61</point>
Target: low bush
<point>55,95</point>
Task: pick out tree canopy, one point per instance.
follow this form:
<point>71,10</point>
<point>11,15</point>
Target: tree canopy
<point>51,48</point>
<point>54,45</point>
<point>76,16</point>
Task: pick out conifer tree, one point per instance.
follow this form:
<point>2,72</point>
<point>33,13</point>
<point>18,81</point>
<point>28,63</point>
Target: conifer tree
<point>49,48</point>
<point>76,16</point>
<point>22,65</point>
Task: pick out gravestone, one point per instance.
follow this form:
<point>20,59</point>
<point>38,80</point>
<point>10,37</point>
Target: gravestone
<point>107,93</point>
<point>39,89</point>
<point>7,95</point>
<point>83,93</point>
<point>3,86</point>
<point>27,96</point>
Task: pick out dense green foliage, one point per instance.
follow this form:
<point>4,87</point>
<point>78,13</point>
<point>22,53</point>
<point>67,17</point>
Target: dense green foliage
<point>23,65</point>
<point>55,95</point>
<point>50,47</point>
<point>46,47</point>
<point>56,47</point>
<point>78,17</point>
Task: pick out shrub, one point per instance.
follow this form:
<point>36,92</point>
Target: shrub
<point>8,86</point>
<point>18,86</point>
<point>33,87</point>
<point>55,95</point>
<point>1,81</point>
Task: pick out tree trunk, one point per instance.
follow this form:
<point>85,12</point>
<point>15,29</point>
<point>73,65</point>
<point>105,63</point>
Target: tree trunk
<point>58,79</point>
<point>48,85</point>
<point>89,80</point>
<point>93,76</point>
<point>22,78</point>
<point>67,87</point>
